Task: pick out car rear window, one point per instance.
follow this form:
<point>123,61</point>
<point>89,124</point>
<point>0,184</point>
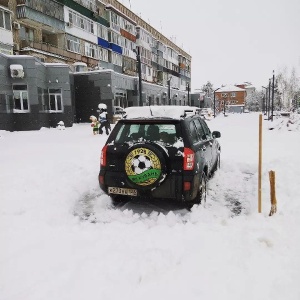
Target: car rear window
<point>156,132</point>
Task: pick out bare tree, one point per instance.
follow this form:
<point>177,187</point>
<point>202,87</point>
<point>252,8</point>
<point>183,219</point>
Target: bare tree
<point>287,87</point>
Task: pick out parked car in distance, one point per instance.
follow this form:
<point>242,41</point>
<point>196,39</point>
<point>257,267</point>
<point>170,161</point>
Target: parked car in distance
<point>118,113</point>
<point>160,152</point>
<point>207,113</point>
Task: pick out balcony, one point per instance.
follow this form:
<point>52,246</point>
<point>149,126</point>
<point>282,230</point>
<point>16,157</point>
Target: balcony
<point>46,7</point>
<point>50,49</point>
<point>47,13</point>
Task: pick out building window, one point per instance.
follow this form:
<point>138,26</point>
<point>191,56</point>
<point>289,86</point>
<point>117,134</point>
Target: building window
<point>103,54</point>
<point>233,95</point>
<point>116,59</point>
<point>102,32</point>
<point>20,96</point>
<point>81,22</point>
<point>26,34</point>
<point>73,44</point>
<point>5,21</point>
<point>55,100</point>
<point>114,38</point>
<point>90,50</point>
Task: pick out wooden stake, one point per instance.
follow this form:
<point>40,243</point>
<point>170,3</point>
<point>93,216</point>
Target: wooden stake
<point>259,162</point>
<point>272,193</point>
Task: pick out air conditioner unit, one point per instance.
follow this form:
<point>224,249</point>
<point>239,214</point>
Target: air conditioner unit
<point>16,71</point>
<point>16,25</point>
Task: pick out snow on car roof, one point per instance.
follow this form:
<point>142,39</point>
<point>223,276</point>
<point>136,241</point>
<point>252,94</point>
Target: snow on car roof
<point>164,111</point>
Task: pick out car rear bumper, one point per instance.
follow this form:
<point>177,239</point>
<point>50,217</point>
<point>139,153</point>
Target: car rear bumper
<point>171,188</point>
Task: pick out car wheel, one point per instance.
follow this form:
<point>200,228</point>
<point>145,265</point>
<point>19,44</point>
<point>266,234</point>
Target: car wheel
<point>217,165</point>
<point>145,166</point>
<point>202,193</point>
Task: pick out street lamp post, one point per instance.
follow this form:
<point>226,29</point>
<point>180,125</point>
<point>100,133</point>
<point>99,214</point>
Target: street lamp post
<point>269,99</point>
<point>138,58</point>
<point>265,100</point>
<point>273,79</point>
<point>188,95</point>
<point>169,90</point>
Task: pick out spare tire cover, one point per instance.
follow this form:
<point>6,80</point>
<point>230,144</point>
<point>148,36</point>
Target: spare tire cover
<point>145,166</point>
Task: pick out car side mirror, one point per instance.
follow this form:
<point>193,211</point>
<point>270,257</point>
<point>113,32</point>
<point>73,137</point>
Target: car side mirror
<point>216,134</point>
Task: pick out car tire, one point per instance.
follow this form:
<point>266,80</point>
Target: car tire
<point>202,193</point>
<point>217,165</point>
<point>145,166</point>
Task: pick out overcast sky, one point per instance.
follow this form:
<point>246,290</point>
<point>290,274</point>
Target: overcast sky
<point>231,41</point>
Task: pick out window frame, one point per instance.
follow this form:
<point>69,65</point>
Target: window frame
<point>22,92</point>
<point>6,20</point>
<point>56,95</point>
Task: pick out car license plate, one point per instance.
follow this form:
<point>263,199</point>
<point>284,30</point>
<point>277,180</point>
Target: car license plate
<point>122,191</point>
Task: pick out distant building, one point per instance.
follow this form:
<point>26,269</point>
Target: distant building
<point>232,97</point>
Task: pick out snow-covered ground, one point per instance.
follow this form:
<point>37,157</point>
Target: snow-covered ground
<point>61,238</point>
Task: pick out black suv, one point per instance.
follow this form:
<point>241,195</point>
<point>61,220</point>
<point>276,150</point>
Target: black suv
<point>160,152</point>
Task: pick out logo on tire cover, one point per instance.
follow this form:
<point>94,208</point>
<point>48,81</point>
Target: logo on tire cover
<point>142,166</point>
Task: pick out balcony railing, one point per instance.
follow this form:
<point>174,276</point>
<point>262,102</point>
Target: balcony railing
<point>24,12</point>
<point>90,4</point>
<point>45,7</point>
<point>51,49</point>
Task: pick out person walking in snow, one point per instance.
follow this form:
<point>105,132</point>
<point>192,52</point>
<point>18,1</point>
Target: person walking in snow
<point>103,119</point>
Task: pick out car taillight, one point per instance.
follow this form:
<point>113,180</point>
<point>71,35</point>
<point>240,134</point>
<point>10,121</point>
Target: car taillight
<point>188,159</point>
<point>103,156</point>
<point>186,186</point>
<point>101,179</point>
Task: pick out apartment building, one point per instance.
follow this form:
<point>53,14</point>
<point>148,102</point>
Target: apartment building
<point>6,40</point>
<point>99,41</point>
<point>102,34</point>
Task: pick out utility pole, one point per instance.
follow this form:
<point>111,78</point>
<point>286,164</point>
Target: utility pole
<point>138,58</point>
<point>265,101</point>
<point>273,95</point>
<point>269,99</point>
<point>225,106</point>
<point>188,90</point>
<point>169,90</point>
